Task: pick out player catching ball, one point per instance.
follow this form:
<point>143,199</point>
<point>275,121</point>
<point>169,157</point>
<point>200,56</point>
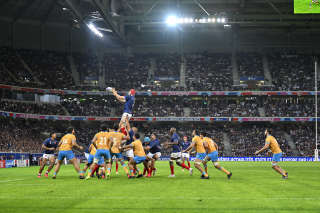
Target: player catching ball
<point>128,101</point>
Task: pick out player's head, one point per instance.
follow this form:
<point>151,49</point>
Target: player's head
<point>132,92</point>
<point>53,135</point>
<point>103,127</point>
<point>135,129</point>
<point>203,134</point>
<point>136,136</point>
<point>70,130</point>
<point>267,132</point>
<point>173,130</point>
<point>185,138</point>
<point>195,132</point>
<point>153,136</point>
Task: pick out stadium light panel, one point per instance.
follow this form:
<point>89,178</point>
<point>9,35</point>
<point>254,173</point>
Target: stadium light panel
<point>219,20</point>
<point>171,21</point>
<point>223,20</point>
<point>95,30</point>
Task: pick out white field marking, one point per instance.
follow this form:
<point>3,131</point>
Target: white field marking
<point>159,198</point>
<point>5,181</point>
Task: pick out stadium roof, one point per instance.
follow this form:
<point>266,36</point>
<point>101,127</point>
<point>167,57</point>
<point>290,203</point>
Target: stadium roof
<point>118,17</point>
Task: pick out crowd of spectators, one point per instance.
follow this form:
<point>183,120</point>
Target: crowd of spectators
<point>208,72</point>
<point>246,139</point>
<point>31,108</point>
<point>250,65</point>
<point>168,65</point>
<point>89,106</point>
<point>224,107</point>
<point>290,106</point>
<point>11,61</point>
<point>51,68</point>
<point>87,66</point>
<point>291,71</point>
<point>125,73</point>
<point>304,138</point>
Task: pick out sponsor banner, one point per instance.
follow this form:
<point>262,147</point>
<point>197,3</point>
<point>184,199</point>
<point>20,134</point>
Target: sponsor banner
<point>196,119</point>
<point>163,93</point>
<point>2,164</point>
<point>252,159</point>
<point>10,163</point>
<point>252,78</point>
<point>22,163</point>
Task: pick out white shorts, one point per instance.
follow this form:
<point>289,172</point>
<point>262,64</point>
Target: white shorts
<point>124,115</point>
<point>129,153</point>
<point>185,155</point>
<point>175,155</point>
<point>150,155</point>
<point>86,155</point>
<point>47,156</point>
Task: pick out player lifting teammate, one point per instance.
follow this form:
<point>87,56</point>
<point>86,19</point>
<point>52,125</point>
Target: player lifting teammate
<point>272,144</point>
<point>102,144</point>
<point>49,146</point>
<point>212,154</point>
<point>65,151</point>
<point>139,156</point>
<point>117,138</point>
<point>176,152</point>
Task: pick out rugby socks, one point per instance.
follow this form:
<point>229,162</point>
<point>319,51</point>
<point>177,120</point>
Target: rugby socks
<point>224,170</point>
<point>184,166</point>
<point>95,169</point>
<point>117,166</point>
<point>189,165</point>
<point>149,172</point>
<point>145,171</point>
<point>132,172</point>
<point>172,169</point>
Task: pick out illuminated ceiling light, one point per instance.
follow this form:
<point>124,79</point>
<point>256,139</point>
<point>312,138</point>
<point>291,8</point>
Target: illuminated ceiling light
<point>190,20</point>
<point>223,20</point>
<point>213,20</point>
<point>219,20</point>
<point>171,21</point>
<point>95,30</point>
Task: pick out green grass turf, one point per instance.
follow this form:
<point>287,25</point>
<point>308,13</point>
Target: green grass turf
<point>303,6</point>
<point>254,187</point>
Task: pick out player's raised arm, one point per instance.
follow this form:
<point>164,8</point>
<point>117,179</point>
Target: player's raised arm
<point>118,97</point>
<point>94,141</point>
<point>265,147</point>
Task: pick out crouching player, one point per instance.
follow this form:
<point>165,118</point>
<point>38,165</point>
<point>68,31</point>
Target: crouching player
<point>49,146</point>
<point>201,153</point>
<point>139,156</point>
<point>212,154</point>
<point>272,144</point>
<point>92,151</point>
<point>117,138</point>
<point>65,151</point>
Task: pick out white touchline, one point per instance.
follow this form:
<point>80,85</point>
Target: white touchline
<point>5,181</point>
<point>161,198</point>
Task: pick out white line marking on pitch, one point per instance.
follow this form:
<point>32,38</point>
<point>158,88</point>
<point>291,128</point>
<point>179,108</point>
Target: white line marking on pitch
<point>159,198</point>
<point>5,181</point>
